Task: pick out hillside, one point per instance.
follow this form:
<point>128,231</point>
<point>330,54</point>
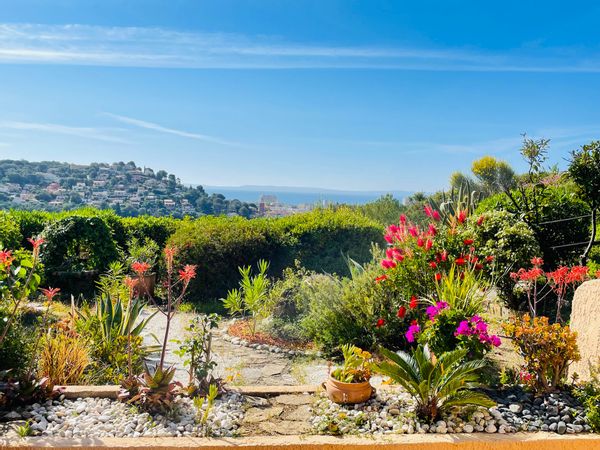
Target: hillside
<point>128,189</point>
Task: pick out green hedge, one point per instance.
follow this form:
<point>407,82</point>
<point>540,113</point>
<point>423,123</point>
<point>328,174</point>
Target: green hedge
<point>319,240</point>
<point>219,245</point>
<point>10,235</point>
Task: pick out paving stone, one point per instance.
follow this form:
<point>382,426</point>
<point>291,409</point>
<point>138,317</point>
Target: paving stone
<point>302,413</point>
<point>294,400</point>
<point>286,427</point>
<point>256,415</point>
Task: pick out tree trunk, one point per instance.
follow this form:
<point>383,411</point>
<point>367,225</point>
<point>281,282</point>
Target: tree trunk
<point>592,239</point>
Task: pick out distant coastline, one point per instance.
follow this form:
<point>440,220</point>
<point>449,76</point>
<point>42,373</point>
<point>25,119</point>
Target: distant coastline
<point>299,196</point>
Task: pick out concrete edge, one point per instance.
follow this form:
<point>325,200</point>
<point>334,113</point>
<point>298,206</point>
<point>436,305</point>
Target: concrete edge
<point>479,441</point>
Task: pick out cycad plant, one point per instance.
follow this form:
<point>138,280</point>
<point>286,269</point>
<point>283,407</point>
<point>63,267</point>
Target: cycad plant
<point>436,384</point>
<point>253,295</point>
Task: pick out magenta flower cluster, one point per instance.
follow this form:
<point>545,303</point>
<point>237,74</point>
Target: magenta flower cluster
<point>476,326</point>
<point>413,330</point>
<point>434,310</point>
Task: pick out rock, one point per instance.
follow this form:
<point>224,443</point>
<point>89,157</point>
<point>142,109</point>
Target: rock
<point>468,428</point>
<point>291,399</point>
<point>515,408</point>
<point>12,415</point>
<point>491,428</point>
<point>585,320</point>
<point>561,428</point>
<point>394,411</point>
<point>257,415</point>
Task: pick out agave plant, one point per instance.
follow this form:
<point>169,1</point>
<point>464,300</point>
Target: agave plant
<point>436,384</point>
<point>461,200</point>
<point>153,391</point>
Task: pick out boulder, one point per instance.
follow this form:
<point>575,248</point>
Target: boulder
<point>585,320</point>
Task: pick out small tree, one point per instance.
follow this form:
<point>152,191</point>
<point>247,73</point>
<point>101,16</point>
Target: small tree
<point>585,172</point>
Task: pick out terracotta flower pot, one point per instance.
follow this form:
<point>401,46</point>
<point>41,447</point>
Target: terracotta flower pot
<point>145,285</point>
<point>339,392</point>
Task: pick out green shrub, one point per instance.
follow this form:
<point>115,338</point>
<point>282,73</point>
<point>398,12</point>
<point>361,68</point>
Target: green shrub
<point>319,240</point>
<point>159,229</point>
<point>10,235</point>
<point>322,237</point>
<point>558,202</point>
<point>31,223</point>
<point>512,243</point>
<point>16,349</point>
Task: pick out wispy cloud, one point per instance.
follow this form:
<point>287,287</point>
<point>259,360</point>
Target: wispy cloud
<point>98,134</point>
<point>158,47</point>
<point>161,129</point>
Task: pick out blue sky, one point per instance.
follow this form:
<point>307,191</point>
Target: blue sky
<point>365,95</point>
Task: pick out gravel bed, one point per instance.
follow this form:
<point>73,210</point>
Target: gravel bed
<point>101,417</point>
<point>269,348</point>
<point>393,413</point>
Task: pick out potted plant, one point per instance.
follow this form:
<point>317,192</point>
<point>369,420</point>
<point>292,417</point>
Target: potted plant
<point>145,253</point>
<point>350,383</point>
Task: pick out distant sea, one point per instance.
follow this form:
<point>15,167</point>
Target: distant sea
<point>298,196</point>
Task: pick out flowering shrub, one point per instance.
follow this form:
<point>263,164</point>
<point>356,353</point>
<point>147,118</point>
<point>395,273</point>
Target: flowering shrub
<point>538,284</point>
<point>547,349</point>
<point>440,270</point>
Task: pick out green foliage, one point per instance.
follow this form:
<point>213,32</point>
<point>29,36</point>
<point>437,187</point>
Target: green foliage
<point>159,229</point>
<point>114,330</point>
<point>357,365</point>
<point>512,243</point>
<point>346,310</point>
<point>494,175</point>
<point>436,384</point>
<point>25,430</point>
<point>204,405</point>
<point>16,349</point>
<point>196,352</point>
<point>155,391</point>
<point>584,170</point>
<point>253,295</point>
<point>557,202</point>
<point>319,239</point>
<point>588,393</point>
<point>10,235</point>
<point>384,210</point>
<point>145,251</point>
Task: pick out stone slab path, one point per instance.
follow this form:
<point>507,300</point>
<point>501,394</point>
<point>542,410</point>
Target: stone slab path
<point>249,366</point>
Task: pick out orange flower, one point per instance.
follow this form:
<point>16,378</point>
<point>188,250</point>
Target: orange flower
<point>380,278</point>
<point>187,273</point>
<point>50,293</point>
<point>6,258</point>
<point>140,267</point>
<point>170,252</point>
<point>36,242</point>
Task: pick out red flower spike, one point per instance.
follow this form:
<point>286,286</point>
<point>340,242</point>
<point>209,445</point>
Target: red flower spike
<point>381,278</point>
<point>468,241</point>
<point>413,302</point>
<point>480,220</point>
<point>462,216</point>
<point>35,243</point>
<point>401,312</point>
<point>380,323</point>
<point>438,276</point>
<point>433,265</point>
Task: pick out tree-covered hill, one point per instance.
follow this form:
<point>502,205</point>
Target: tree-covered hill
<point>128,189</point>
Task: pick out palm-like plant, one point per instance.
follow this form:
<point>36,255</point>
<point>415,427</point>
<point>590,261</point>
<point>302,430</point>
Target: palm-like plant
<point>437,384</point>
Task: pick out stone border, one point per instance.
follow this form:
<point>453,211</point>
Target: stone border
<point>235,340</point>
<point>112,391</point>
<point>517,441</point>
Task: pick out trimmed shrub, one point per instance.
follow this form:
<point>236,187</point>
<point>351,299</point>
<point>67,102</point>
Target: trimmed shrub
<point>10,235</point>
<point>31,223</point>
<point>159,229</point>
<point>319,240</point>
